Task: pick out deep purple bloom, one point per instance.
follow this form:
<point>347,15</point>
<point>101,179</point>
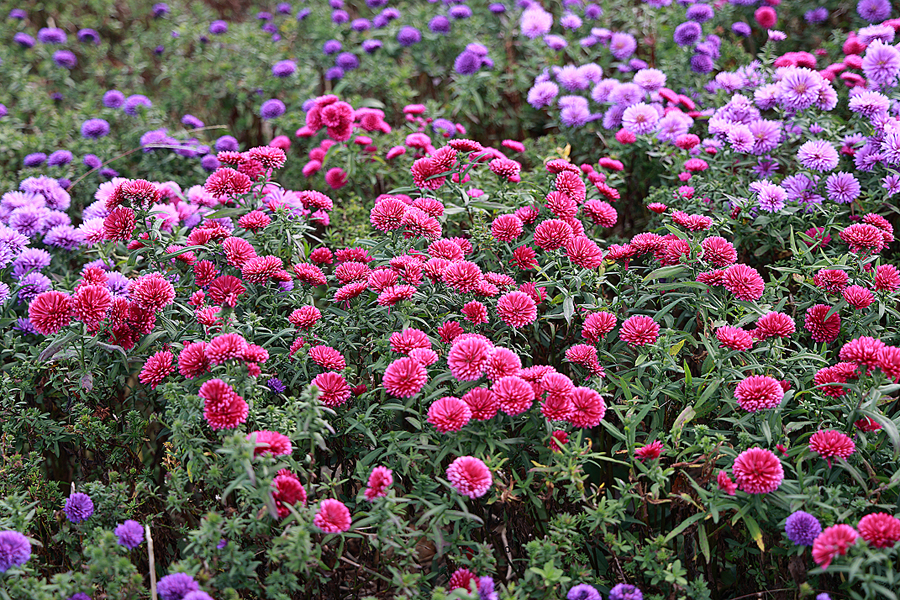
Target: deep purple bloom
<point>583,591</point>
<point>218,27</point>
<point>842,187</point>
<point>18,13</point>
<point>79,596</point>
<point>622,45</point>
<point>687,33</point>
<point>35,159</point>
<point>346,61</point>
<point>276,385</point>
<point>272,109</point>
<point>92,161</point>
<point>408,35</point>
<point>160,9</point>
<point>331,47</point>
<point>94,128</point>
<point>439,24</point>
<point>65,236</point>
<point>79,507</point>
<point>227,142</point>
<point>497,8</point>
<point>52,35</point>
<point>134,102</point>
<point>65,59</point>
<point>210,163</point>
<point>30,260</point>
<point>284,68</point>
<point>176,586</point>
<point>191,121</point>
<point>467,63</point>
<point>339,17</point>
<point>874,11</point>
<point>15,550</point>
<point>334,73</point>
<point>700,13</point>
<point>303,13</point>
<point>130,534</point>
<point>881,63</point>
<point>88,36</point>
<point>361,25</point>
<point>742,29</point>
<point>24,40</point>
<point>802,528</point>
<point>283,9</point>
<point>370,46</point>
<point>625,591</point>
<point>113,99</point>
<point>460,11</point>
<point>59,158</point>
<point>816,15</point>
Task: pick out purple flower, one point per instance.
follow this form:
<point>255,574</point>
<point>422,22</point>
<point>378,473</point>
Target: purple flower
<point>799,88</point>
<point>869,34</point>
<point>869,104</point>
<point>30,260</point>
<point>842,187</point>
<point>227,142</point>
<point>625,591</point>
<point>766,135</point>
<point>339,17</point>
<point>160,9</point>
<point>771,197</point>
<point>331,47</point>
<point>640,119</point>
<point>497,8</point>
<point>370,46</point>
<point>674,124</point>
<point>334,73</point>
<point>94,129</point>
<point>816,15</point>
<point>874,11</point>
<point>881,64</point>
<point>740,28</point>
<point>283,9</point>
<point>4,292</point>
<point>802,528</point>
<point>467,63</point>
<point>18,13</point>
<point>284,68</point>
<point>583,591</point>
<point>535,22</point>
<point>176,586</point>
<point>210,163</point>
<point>88,36</point>
<point>303,13</point>
<point>818,155</point>
<point>542,94</point>
<point>79,596</point>
<point>700,13</point>
<point>198,595</point>
<point>24,40</point>
<point>15,550</point>
<point>59,158</point>
<point>555,42</point>
<point>130,534</point>
<point>702,63</point>
<point>361,25</point>
<point>79,507</point>
<point>622,45</point>
<point>52,35</point>
<point>64,236</point>
<point>276,385</point>
<point>574,111</point>
<point>117,284</point>
<point>272,109</point>
<point>191,122</point>
<point>765,168</point>
<point>135,101</point>
<point>408,35</point>
<point>346,61</point>
<point>113,99</point>
<point>891,183</point>
<point>439,24</point>
<point>572,79</point>
<point>740,137</point>
<point>626,94</point>
<point>35,159</point>
<point>218,27</point>
<point>650,80</point>
<point>570,21</point>
<point>460,11</point>
<point>486,589</point>
<point>687,33</point>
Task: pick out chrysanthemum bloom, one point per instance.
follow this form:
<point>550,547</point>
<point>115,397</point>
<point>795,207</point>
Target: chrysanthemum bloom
<point>327,357</point>
<point>835,540</point>
<point>305,317</point>
<point>887,278</point>
<point>639,330</point>
<point>552,234</point>
<point>333,389</point>
<point>734,338</point>
<point>404,378</point>
<point>463,276</point>
<point>237,251</point>
<point>152,292</point>
<point>223,408</point>
<point>270,442</point>
<point>506,228</point>
<point>818,155</point>
<point>333,516</point>
<point>586,356</point>
<point>130,534</point>
<point>830,443</point>
<point>879,530</point>
<point>757,471</point>
<point>176,586</point>
<point>254,221</point>
<point>831,280</point>
<point>15,550</point>
<point>744,282</point>
<point>718,251</point>
<point>863,238</point>
<point>475,312</point>
<point>91,304</point>
<point>583,591</point>
<point>802,528</point>
<point>260,269</point>
<point>651,451</point>
<point>584,252</point>
<point>597,325</point>
<point>625,591</point>
<point>380,480</point>
<point>822,329</point>
<point>469,476</point>
<point>482,402</point>
<point>287,492</point>
<point>387,214</point>
<point>51,311</point>
<point>758,392</point>
<point>157,368</point>
<point>501,363</point>
<point>229,346</point>
<point>79,507</point>
<point>119,224</point>
<point>449,414</point>
<point>408,339</point>
<point>461,579</point>
<point>863,350</point>
<point>516,309</point>
<point>192,362</point>
<point>858,297</point>
<point>588,408</point>
<point>889,362</point>
<point>724,483</point>
<point>513,394</point>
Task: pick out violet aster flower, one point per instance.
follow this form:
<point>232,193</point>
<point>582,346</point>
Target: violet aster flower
<point>52,35</point>
<point>92,161</point>
<point>542,94</point>
<point>702,63</point>
<point>771,197</point>
<point>227,142</point>
<point>89,36</point>
<point>15,550</point>
<point>802,528</point>
<point>176,586</point>
<point>467,63</point>
<point>408,35</point>
<point>35,159</point>
<point>64,236</point>
<point>303,13</point>
<point>740,28</point>
<point>210,163</point>
<point>339,17</point>
<point>79,507</point>
<point>191,121</point>
<point>161,9</point>
<point>700,13</point>
<point>766,135</point>
<point>816,15</point>
<point>570,21</point>
<point>4,292</point>
<point>640,119</point>
<point>818,155</point>
<point>574,111</point>
<point>24,40</point>
<point>59,158</point>
<point>687,33</point>
<point>891,183</point>
<point>135,101</point>
<point>460,11</point>
<point>625,591</point>
<point>218,27</point>
<point>370,46</point>
<point>18,13</point>
<point>331,47</point>
<point>30,260</point>
<point>583,591</point>
<point>276,385</point>
<point>622,45</point>
<point>130,534</point>
<point>874,11</point>
<point>93,129</point>
<point>869,103</point>
<point>334,73</point>
<point>113,99</point>
<point>881,64</point>
<point>283,9</point>
<point>284,68</point>
<point>346,61</point>
<point>361,25</point>
<point>272,109</point>
<point>842,187</point>
<point>535,22</point>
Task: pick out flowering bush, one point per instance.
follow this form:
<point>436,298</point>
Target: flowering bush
<point>651,354</point>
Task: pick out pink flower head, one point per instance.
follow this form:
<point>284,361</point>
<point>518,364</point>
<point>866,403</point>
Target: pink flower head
<point>588,408</point>
<point>333,517</point>
<point>230,346</point>
<point>404,378</point>
<point>482,402</point>
<point>51,311</point>
<point>516,309</point>
<point>822,329</point>
<point>152,291</point>
<point>475,312</point>
<point>833,541</point>
<point>718,251</point>
<point>724,482</point>
<point>327,357</point>
<point>858,297</point>
<point>468,358</point>
<point>513,394</point>
<point>879,530</point>
<point>461,579</point>
<point>831,280</point>
<point>864,351</point>
<point>830,443</point>
<point>744,282</point>
<point>889,362</point>
<point>758,471</point>
<point>156,369</point>
<point>863,238</point>
<point>887,278</point>
<point>287,491</point>
<point>305,317</point>
<point>222,407</point>
<point>380,480</point>
<point>333,389</point>
<point>502,363</point>
<point>758,392</point>
<point>734,338</point>
<point>192,362</point>
<point>506,228</point>
<point>469,476</point>
<point>774,324</point>
<point>651,451</point>
<point>639,330</point>
<point>597,325</point>
<point>449,414</point>
<point>552,234</point>
<point>270,442</point>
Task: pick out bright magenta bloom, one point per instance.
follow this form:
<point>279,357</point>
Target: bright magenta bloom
<point>757,471</point>
<point>333,517</point>
<point>469,476</point>
<point>639,330</point>
<point>834,541</point>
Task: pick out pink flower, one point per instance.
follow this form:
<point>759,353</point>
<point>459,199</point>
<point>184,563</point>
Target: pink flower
<point>887,278</point>
<point>863,350</point>
<point>584,252</point>
<point>858,297</point>
<point>333,389</point>
<point>879,530</point>
<point>469,476</point>
<point>192,361</point>
<point>588,408</point>
<point>758,471</point>
<point>822,329</point>
<point>222,407</point>
<point>463,276</point>
<point>404,378</point>
<point>226,289</point>
<point>639,330</point>
<point>305,317</point>
<point>651,451</point>
<point>734,338</point>
<point>461,579</point>
<point>152,292</point>
<point>831,280</point>
<point>863,238</point>
<point>571,184</point>
<point>744,282</point>
<point>328,358</point>
<point>270,442</point>
<point>449,414</point>
<point>774,324</point>
<point>718,251</point>
<point>516,309</point>
<point>288,491</point>
<point>482,402</point>
<point>513,394</point>
<point>889,362</point>
<point>407,340</point>
<point>724,482</point>
<point>830,443</point>
<point>50,311</point>
<point>468,358</point>
<point>333,516</point>
<point>226,347</point>
<point>758,392</point>
<point>380,480</point>
<point>475,312</point>
<point>156,369</point>
<point>552,234</point>
<point>834,541</point>
<point>502,363</point>
<point>597,325</point>
<point>387,214</point>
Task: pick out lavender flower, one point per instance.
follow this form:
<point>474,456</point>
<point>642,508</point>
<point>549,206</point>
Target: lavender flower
<point>347,61</point>
<point>874,11</point>
<point>622,45</point>
<point>24,40</point>
<point>583,591</point>
<point>79,507</point>
<point>113,99</point>
<point>818,155</point>
<point>64,236</point>
<point>542,94</point>
<point>891,183</point>
<point>272,109</point>
<point>370,46</point>
<point>742,29</point>
<point>535,22</point>
<point>816,15</point>
<point>771,197</point>
<point>842,187</point>
<point>30,260</point>
<point>802,528</point>
<point>52,35</point>
<point>135,101</point>
<point>276,385</point>
<point>640,119</point>
<point>93,129</point>
<point>130,534</point>
<point>15,550</point>
<point>687,33</point>
<point>331,47</point>
<point>218,27</point>
<point>408,36</point>
<point>574,111</point>
<point>881,64</point>
<point>176,586</point>
<point>284,68</point>
<point>625,591</point>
